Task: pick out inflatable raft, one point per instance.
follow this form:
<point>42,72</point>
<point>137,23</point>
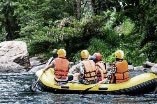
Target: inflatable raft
<point>143,83</point>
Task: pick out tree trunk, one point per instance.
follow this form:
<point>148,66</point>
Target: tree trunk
<point>10,22</point>
<point>78,9</point>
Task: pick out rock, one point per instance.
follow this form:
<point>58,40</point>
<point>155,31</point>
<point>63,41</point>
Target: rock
<point>154,68</point>
<point>14,56</point>
<point>130,67</point>
<point>138,68</point>
<point>148,64</point>
<point>35,61</point>
<point>36,68</point>
<point>36,65</point>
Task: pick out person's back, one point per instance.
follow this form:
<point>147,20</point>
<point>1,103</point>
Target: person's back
<point>121,66</point>
<point>85,70</point>
<point>89,76</point>
<point>101,70</point>
<point>88,69</point>
<point>61,66</point>
<point>100,67</point>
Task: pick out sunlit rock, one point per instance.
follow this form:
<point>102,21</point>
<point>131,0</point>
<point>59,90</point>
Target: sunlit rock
<point>138,68</point>
<point>14,56</point>
<point>36,68</point>
<point>130,67</point>
<point>154,68</point>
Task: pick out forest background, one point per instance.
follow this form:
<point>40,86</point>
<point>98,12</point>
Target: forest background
<point>96,25</point>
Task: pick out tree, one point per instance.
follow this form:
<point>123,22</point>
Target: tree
<point>10,21</point>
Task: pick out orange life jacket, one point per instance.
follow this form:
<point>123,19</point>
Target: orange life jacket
<point>122,73</point>
<point>61,68</point>
<point>90,70</point>
<point>100,65</point>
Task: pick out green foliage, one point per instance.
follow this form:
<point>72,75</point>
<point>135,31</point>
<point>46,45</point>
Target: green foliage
<point>126,27</point>
<point>99,45</point>
<point>49,24</point>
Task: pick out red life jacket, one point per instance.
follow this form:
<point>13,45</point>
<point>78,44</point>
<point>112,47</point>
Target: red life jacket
<point>122,73</point>
<point>100,65</point>
<point>61,68</point>
<point>90,70</point>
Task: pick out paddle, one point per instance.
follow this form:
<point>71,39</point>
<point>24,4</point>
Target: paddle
<point>155,91</point>
<point>33,86</point>
<point>90,87</point>
<point>95,85</point>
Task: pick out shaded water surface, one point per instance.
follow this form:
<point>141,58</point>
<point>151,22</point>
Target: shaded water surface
<point>14,89</point>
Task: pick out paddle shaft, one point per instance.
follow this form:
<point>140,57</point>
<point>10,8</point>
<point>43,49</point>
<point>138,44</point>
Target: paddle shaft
<point>34,85</point>
<point>90,87</point>
<point>94,85</point>
<point>155,91</point>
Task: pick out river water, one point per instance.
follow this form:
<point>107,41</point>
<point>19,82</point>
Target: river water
<point>14,89</point>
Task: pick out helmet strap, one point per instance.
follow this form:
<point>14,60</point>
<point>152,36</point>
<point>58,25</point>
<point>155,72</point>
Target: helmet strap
<point>84,58</point>
<point>118,59</point>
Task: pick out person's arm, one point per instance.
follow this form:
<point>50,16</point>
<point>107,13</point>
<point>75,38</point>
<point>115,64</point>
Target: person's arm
<point>49,61</point>
<point>81,69</point>
<point>49,66</point>
<point>102,74</point>
<point>74,69</point>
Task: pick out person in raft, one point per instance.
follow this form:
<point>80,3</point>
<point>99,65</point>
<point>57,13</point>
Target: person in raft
<point>85,71</point>
<point>104,75</point>
<point>61,67</point>
<point>100,66</point>
<point>120,66</point>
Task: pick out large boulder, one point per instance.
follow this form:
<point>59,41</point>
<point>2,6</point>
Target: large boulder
<point>14,56</point>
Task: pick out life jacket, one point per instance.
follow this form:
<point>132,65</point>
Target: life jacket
<point>122,73</point>
<point>100,65</point>
<point>90,70</point>
<point>61,68</point>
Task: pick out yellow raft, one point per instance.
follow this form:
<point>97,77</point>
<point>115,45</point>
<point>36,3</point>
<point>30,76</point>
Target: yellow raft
<point>143,83</point>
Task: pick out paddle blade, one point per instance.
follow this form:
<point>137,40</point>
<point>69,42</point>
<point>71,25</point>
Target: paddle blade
<point>33,87</point>
<point>155,91</point>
